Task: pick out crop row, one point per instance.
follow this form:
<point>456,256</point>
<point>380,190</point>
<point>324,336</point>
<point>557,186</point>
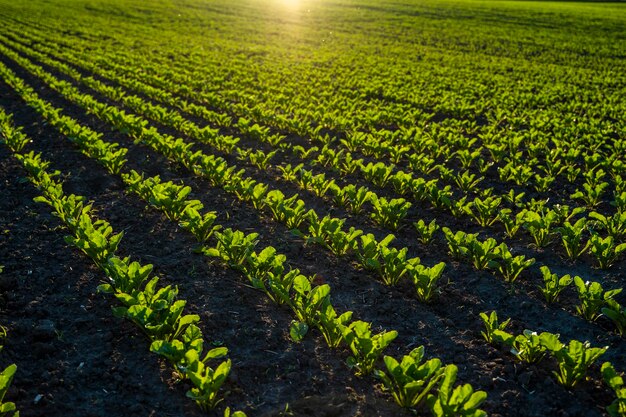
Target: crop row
<point>590,192</point>
<point>232,246</point>
<point>485,210</point>
<point>311,304</point>
<point>535,143</point>
<point>392,264</point>
<point>156,310</point>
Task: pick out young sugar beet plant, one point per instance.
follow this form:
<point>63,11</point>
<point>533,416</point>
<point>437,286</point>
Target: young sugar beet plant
<point>233,247</point>
<point>355,197</point>
<point>573,360</point>
<point>69,209</point>
<point>166,196</point>
<point>277,283</point>
<point>378,174</point>
<point>401,182</point>
<point>591,194</point>
<point>553,285</point>
<point>365,347</point>
<point>156,311</point>
<point>411,380</point>
<point>511,266</point>
<point>461,400</point>
<point>605,250</point>
<point>615,226</point>
<point>265,268</point>
<point>369,251</point>
<point>617,313</point>
<point>540,226</point>
<point>529,346</point>
<point>619,201</point>
<point>327,232</point>
<point>10,135</point>
<point>512,224</point>
<point>394,264</point>
<point>572,238</point>
<point>307,302</point>
<point>6,377</point>
<point>491,325</point>
<point>172,200</point>
<point>484,211</point>
<point>389,213</point>
<point>426,231</point>
<point>95,239</point>
<point>290,211</point>
<point>615,381</point>
<point>331,325</point>
<point>458,242</point>
<point>425,280</point>
<point>592,298</point>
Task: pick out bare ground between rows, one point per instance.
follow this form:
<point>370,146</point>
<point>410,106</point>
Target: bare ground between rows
<point>483,359</point>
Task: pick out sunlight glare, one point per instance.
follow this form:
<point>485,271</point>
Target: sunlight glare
<point>292,5</point>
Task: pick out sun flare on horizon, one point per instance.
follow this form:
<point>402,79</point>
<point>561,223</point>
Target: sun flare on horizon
<point>291,5</point>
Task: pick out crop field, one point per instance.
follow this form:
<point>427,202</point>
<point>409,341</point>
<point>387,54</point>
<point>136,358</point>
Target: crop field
<point>312,208</point>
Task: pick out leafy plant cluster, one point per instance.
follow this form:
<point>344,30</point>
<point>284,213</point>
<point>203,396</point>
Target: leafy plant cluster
<point>573,359</point>
<point>387,214</point>
<point>172,200</point>
<point>484,212</point>
<point>486,254</point>
<point>410,382</point>
<point>338,241</point>
<point>157,311</point>
<point>514,145</point>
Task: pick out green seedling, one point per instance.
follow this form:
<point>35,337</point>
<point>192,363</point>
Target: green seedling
<point>426,231</point>
<point>617,313</point>
<point>410,380</point>
<point>389,213</point>
<point>455,402</point>
<point>615,381</point>
<point>365,347</point>
<point>553,285</point>
<point>425,280</point>
<point>574,360</point>
<point>572,238</point>
<point>491,325</point>
<point>592,298</point>
<point>511,266</point>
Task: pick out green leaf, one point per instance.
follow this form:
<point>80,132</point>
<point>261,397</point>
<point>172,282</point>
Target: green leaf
<point>215,353</point>
<point>297,330</point>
